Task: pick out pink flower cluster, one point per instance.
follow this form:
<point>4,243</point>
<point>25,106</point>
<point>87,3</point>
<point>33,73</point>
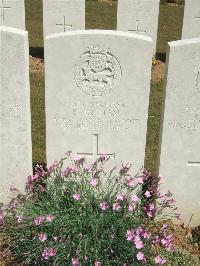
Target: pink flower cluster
<point>41,219</point>
<point>104,206</point>
<point>48,253</point>
<point>150,210</point>
<point>138,236</point>
<point>160,260</point>
<point>68,171</point>
<point>52,167</point>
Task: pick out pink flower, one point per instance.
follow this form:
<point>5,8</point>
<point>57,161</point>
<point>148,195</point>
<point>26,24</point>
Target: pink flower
<point>39,220</point>
<point>75,262</point>
<point>42,237</point>
<point>42,189</point>
<point>129,235</point>
<point>48,252</point>
<point>50,218</point>
<point>146,235</point>
<point>104,206</point>
<point>68,171</point>
<point>97,263</point>
<point>116,207</point>
<point>159,260</point>
<point>78,159</point>
<point>103,158</point>
<point>138,243</point>
<point>77,196</point>
<point>52,252</point>
<point>20,218</point>
<point>86,167</point>
<point>125,168</point>
<point>131,207</point>
<point>140,256</point>
<point>134,198</point>
<point>52,167</point>
<point>147,194</point>
<point>121,197</point>
<point>93,182</point>
<point>85,258</point>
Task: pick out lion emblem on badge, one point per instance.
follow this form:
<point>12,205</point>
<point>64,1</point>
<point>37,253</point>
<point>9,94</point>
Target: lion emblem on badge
<point>97,71</point>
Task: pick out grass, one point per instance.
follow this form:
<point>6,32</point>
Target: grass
<point>99,15</point>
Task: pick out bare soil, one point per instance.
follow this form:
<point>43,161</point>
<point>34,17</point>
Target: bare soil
<point>36,65</point>
<point>158,71</point>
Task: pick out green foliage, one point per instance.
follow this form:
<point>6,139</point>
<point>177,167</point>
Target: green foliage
<point>69,214</point>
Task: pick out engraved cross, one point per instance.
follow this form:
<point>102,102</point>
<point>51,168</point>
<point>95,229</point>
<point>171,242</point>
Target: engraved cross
<point>64,25</point>
<point>194,163</point>
<point>95,154</point>
<point>2,8</point>
<point>137,30</point>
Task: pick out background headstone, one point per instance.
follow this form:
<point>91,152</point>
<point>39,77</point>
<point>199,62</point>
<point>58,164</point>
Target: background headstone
<point>12,14</point>
<point>139,17</point>
<point>97,93</point>
<point>180,149</point>
<point>15,118</point>
<point>191,20</point>
<point>63,15</point>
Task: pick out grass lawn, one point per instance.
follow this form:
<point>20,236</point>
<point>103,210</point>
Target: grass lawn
<point>99,16</point>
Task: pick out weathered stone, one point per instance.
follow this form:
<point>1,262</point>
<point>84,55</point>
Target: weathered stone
<point>63,15</point>
<point>139,17</point>
<point>15,118</point>
<point>191,20</point>
<point>12,14</point>
<point>97,93</point>
<point>180,149</point>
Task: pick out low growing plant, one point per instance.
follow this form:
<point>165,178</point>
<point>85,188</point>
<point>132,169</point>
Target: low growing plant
<point>85,215</point>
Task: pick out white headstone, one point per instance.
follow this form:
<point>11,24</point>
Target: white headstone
<point>15,118</point>
<point>191,20</point>
<point>139,17</point>
<point>12,14</point>
<point>97,93</point>
<point>180,149</point>
<point>63,15</point>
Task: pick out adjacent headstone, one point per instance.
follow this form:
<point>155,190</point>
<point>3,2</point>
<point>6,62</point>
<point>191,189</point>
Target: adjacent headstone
<point>191,21</point>
<point>15,118</point>
<point>97,93</point>
<point>63,15</point>
<point>180,149</point>
<point>139,17</point>
<point>12,14</point>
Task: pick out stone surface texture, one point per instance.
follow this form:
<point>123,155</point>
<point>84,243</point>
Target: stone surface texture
<point>12,14</point>
<point>191,20</point>
<point>139,16</point>
<point>97,93</point>
<point>63,16</point>
<point>180,149</point>
<point>15,118</point>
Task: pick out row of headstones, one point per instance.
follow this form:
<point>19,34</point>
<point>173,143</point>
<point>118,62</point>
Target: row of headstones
<point>96,94</point>
<point>137,16</point>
